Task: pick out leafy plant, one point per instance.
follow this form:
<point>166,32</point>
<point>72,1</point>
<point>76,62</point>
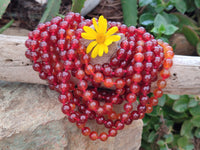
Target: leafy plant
<point>173,124</point>
<point>130,12</point>
<point>51,11</point>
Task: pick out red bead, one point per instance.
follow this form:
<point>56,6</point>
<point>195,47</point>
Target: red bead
<point>135,115</point>
<point>128,107</point>
<point>93,105</point>
<point>153,101</point>
<point>161,84</point>
<point>119,125</point>
<point>103,136</point>
<point>139,57</point>
<point>86,131</point>
<point>134,88</point>
<point>112,132</point>
<point>108,82</point>
<point>131,97</point>
<point>82,85</point>
<point>108,123</point>
<point>93,135</point>
<point>158,93</point>
<point>98,77</point>
<point>120,83</point>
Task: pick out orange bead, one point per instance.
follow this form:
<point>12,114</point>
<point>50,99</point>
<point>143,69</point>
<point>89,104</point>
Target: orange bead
<point>100,111</point>
<point>108,82</point>
<point>124,116</point>
<point>165,74</point>
<point>160,42</point>
<point>112,115</point>
<point>149,108</point>
<point>169,54</point>
<point>167,48</point>
<point>139,57</point>
<point>87,95</point>
<point>131,97</point>
<point>153,101</point>
<point>137,77</point>
<point>93,105</point>
<point>86,131</point>
<point>98,77</point>
<point>103,136</point>
<point>93,135</point>
<point>120,83</point>
<point>142,115</point>
<point>167,63</point>
<point>89,69</point>
<point>161,84</point>
<point>112,132</point>
<point>158,93</point>
<point>80,125</point>
<point>108,107</point>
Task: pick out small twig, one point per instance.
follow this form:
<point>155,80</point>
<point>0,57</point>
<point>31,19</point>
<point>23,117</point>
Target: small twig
<point>7,26</point>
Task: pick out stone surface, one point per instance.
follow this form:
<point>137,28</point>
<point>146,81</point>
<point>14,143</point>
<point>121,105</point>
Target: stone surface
<point>31,119</point>
<point>182,46</point>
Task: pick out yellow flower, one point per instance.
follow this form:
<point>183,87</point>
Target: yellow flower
<point>100,36</point>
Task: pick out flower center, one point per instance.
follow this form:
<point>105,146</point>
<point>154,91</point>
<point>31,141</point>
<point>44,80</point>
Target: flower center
<point>100,38</point>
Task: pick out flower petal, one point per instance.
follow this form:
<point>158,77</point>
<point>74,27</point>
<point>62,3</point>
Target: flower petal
<point>111,31</point>
<point>95,51</point>
<point>89,30</point>
<point>101,50</point>
<point>95,24</point>
<point>111,39</point>
<point>105,48</point>
<point>102,24</point>
<point>91,46</point>
<point>88,36</point>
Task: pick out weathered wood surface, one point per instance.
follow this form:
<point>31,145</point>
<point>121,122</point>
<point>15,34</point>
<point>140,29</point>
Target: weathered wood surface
<point>14,66</point>
<point>31,119</point>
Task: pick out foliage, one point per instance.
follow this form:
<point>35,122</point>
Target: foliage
<point>130,12</point>
<point>159,18</point>
<point>173,123</point>
<point>77,5</point>
<point>3,6</point>
<point>51,11</point>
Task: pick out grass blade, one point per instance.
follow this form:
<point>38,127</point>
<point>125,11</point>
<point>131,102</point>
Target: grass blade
<point>77,5</point>
<point>52,9</point>
<point>6,26</point>
<point>130,12</point>
<point>3,6</point>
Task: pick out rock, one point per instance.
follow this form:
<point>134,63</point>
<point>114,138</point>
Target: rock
<point>182,46</point>
<point>31,119</point>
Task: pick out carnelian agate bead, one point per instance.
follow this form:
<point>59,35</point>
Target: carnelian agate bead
<point>93,135</point>
<point>86,131</point>
<point>103,136</point>
<point>89,69</point>
<point>112,132</point>
<point>93,105</point>
<point>137,77</point>
<point>161,84</point>
<point>139,57</point>
<point>158,93</point>
<point>98,77</point>
<point>131,97</point>
<point>87,95</point>
<point>120,83</point>
<point>165,74</point>
<point>153,101</point>
<point>80,125</point>
<point>108,82</point>
<point>149,108</point>
<point>167,63</point>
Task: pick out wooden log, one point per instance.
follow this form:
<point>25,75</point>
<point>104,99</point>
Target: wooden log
<point>15,67</point>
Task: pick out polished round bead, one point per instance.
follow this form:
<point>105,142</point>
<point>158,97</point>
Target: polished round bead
<point>139,57</point>
<point>131,97</point>
<point>108,123</point>
<point>149,108</point>
<point>80,74</point>
<point>86,131</point>
<point>93,135</point>
<point>119,83</point>
<point>89,69</point>
<point>119,72</point>
<point>165,74</point>
<point>112,132</point>
<point>158,93</point>
<point>135,88</point>
<point>167,63</point>
<point>137,77</point>
<point>98,77</point>
<point>161,84</point>
<point>128,107</point>
<point>82,85</point>
<point>87,95</point>
<point>108,107</point>
<point>100,120</point>
<point>108,82</point>
<point>119,125</point>
<point>135,115</point>
<point>103,136</point>
<point>93,105</point>
<point>80,125</point>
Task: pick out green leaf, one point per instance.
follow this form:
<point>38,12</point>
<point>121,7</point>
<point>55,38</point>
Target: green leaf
<point>152,136</point>
<point>190,34</point>
<point>181,104</point>
<point>144,2</point>
<point>195,111</point>
<point>159,20</point>
<point>174,97</point>
<point>162,100</point>
<point>192,103</point>
<point>168,138</point>
<point>160,142</point>
<point>189,147</point>
<point>180,5</point>
<point>196,121</point>
<point>170,29</point>
<point>2,29</point>
<point>3,6</point>
<point>159,8</point>
<point>197,133</point>
<point>171,18</point>
<point>130,12</point>
<point>182,142</point>
<point>198,48</point>
<point>186,128</point>
<point>77,5</point>
<point>51,11</point>
<point>197,3</point>
<point>161,29</point>
<point>146,19</point>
